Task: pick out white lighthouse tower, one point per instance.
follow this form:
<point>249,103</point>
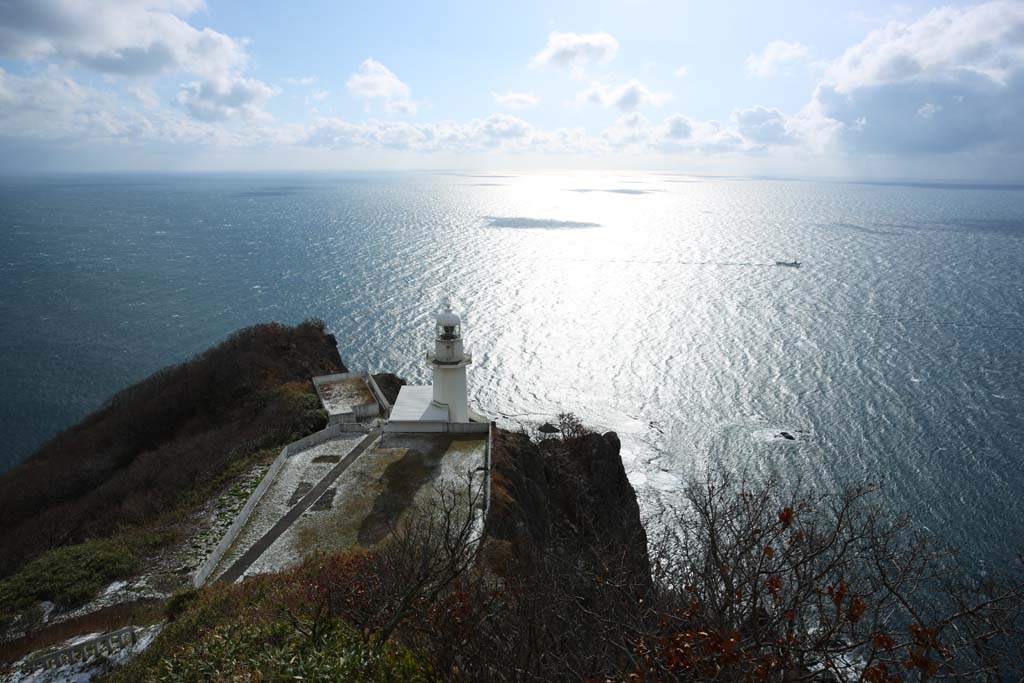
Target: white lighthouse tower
<point>442,406</point>
<point>448,361</point>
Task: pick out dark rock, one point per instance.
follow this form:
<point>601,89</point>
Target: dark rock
<point>390,384</point>
<point>573,494</point>
<point>787,435</point>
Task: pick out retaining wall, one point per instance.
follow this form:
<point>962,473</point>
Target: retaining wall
<point>210,564</point>
<point>424,426</point>
<point>357,412</point>
<point>487,470</point>
<point>377,393</point>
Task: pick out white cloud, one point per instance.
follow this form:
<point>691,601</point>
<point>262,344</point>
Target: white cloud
<point>775,54</point>
<point>138,39</point>
<point>52,106</point>
<point>497,132</point>
<point>516,100</point>
<point>677,127</point>
<point>320,95</point>
<point>986,39</point>
<point>506,126</point>
<point>763,125</point>
<point>576,50</point>
<point>676,134</point>
<point>303,80</point>
<point>373,81</point>
<point>626,97</point>
<point>145,95</point>
<point>225,98</point>
<point>680,72</point>
<point>631,129</point>
<point>951,81</point>
<point>126,37</point>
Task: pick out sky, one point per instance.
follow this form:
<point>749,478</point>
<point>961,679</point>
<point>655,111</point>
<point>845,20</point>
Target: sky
<point>808,89</point>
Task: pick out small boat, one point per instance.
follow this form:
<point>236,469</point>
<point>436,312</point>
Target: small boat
<point>788,264</point>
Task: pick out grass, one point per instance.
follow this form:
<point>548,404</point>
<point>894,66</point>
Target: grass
<point>260,630</point>
<point>72,575</point>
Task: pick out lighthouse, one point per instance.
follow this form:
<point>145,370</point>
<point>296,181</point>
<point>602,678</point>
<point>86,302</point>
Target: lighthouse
<point>448,361</point>
<point>442,406</point>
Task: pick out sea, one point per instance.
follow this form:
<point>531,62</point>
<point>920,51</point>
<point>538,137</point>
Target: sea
<point>651,304</point>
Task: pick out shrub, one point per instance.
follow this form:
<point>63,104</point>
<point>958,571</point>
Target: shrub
<point>178,603</point>
<point>159,442</point>
<point>260,630</point>
<point>68,576</point>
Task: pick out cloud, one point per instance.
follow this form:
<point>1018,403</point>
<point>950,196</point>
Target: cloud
<point>986,39</point>
<point>127,37</point>
<point>303,81</point>
<point>497,132</point>
<point>629,130</point>
<point>626,97</point>
<point>680,72</point>
<point>506,126</point>
<point>373,81</point>
<point>675,134</point>
<point>763,125</point>
<point>775,54</point>
<point>951,81</point>
<point>320,95</point>
<point>516,100</point>
<point>223,99</point>
<point>677,127</point>
<point>52,106</point>
<point>576,50</point>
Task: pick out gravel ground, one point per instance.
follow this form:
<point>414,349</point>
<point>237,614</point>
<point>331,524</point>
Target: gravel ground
<point>409,470</point>
<point>298,468</point>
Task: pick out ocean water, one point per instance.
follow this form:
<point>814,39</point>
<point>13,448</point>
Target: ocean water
<point>647,304</point>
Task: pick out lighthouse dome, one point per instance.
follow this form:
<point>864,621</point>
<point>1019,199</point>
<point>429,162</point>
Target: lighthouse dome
<point>448,319</point>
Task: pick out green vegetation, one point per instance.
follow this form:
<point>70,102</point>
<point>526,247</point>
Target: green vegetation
<point>72,575</point>
<point>94,504</point>
<point>267,628</point>
<point>166,441</point>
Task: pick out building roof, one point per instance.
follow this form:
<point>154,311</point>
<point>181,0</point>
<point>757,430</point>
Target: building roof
<point>415,403</point>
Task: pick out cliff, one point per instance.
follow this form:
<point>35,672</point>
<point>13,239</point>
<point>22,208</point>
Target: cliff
<point>563,494</point>
<point>160,442</point>
<point>82,514</point>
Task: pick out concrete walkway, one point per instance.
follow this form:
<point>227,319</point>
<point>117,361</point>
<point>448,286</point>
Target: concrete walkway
<point>240,565</point>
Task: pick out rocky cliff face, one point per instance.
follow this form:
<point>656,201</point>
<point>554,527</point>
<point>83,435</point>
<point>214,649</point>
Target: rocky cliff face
<point>563,493</point>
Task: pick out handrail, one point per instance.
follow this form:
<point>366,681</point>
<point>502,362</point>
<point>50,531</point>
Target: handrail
<point>81,652</point>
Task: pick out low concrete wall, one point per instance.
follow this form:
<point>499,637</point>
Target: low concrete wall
<point>377,393</point>
<point>358,412</point>
<point>425,427</point>
<point>210,564</point>
<point>366,410</point>
<point>487,470</point>
<point>469,427</point>
<point>105,644</point>
<point>339,377</point>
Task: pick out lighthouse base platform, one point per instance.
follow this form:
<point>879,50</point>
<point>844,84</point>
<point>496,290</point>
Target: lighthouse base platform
<point>415,412</point>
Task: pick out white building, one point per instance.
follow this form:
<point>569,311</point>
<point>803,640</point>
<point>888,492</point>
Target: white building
<point>444,405</point>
